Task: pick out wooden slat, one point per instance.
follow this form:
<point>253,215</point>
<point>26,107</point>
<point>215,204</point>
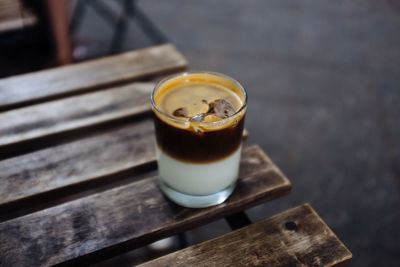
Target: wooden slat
<point>72,113</point>
<point>126,217</point>
<point>91,158</point>
<point>268,243</point>
<point>25,19</point>
<point>58,82</point>
<point>10,9</point>
<point>16,24</point>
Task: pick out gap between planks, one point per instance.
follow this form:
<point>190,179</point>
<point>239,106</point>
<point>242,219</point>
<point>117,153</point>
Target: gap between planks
<point>20,128</point>
<point>73,113</point>
<point>32,88</point>
<point>68,166</point>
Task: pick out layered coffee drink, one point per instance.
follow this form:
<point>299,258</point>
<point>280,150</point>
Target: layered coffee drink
<point>199,120</point>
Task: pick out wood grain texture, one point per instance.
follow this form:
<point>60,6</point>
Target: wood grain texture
<point>35,87</point>
<point>269,242</point>
<point>126,217</point>
<point>96,157</point>
<point>72,113</point>
<point>101,156</point>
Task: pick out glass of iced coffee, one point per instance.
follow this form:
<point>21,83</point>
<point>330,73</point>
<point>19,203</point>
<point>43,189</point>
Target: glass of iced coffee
<point>198,118</point>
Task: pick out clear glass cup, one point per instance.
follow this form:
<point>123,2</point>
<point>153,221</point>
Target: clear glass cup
<point>198,162</point>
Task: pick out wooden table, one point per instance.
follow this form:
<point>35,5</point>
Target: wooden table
<point>78,180</point>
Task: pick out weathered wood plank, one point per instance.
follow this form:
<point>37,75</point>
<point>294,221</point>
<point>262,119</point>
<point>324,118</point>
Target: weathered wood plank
<point>96,157</point>
<point>36,87</point>
<point>14,19</point>
<point>101,156</point>
<point>126,217</point>
<point>72,113</point>
<point>296,237</point>
<point>10,9</point>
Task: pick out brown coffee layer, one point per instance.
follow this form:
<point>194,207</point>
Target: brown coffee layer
<point>198,147</point>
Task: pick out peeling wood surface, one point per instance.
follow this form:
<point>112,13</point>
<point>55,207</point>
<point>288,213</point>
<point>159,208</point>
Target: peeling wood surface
<point>127,217</point>
<point>59,82</point>
<point>296,237</point>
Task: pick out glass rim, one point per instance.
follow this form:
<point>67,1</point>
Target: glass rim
<point>186,73</point>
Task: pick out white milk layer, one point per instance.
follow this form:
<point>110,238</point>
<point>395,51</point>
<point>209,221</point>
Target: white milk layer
<point>198,179</point>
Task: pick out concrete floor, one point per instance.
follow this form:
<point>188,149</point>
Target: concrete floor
<point>323,80</point>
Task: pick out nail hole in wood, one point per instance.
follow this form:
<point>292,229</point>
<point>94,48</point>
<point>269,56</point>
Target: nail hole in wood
<point>290,226</point>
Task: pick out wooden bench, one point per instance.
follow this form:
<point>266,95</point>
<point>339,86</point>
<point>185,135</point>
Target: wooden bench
<point>14,16</point>
<point>78,179</point>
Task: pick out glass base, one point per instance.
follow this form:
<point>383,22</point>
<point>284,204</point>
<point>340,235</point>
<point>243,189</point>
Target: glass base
<point>191,201</point>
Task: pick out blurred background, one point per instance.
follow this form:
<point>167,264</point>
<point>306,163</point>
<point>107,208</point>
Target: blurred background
<point>323,79</point>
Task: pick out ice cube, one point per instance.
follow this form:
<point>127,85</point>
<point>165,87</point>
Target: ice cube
<point>221,108</point>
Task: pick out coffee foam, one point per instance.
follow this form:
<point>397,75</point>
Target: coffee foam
<point>199,102</point>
